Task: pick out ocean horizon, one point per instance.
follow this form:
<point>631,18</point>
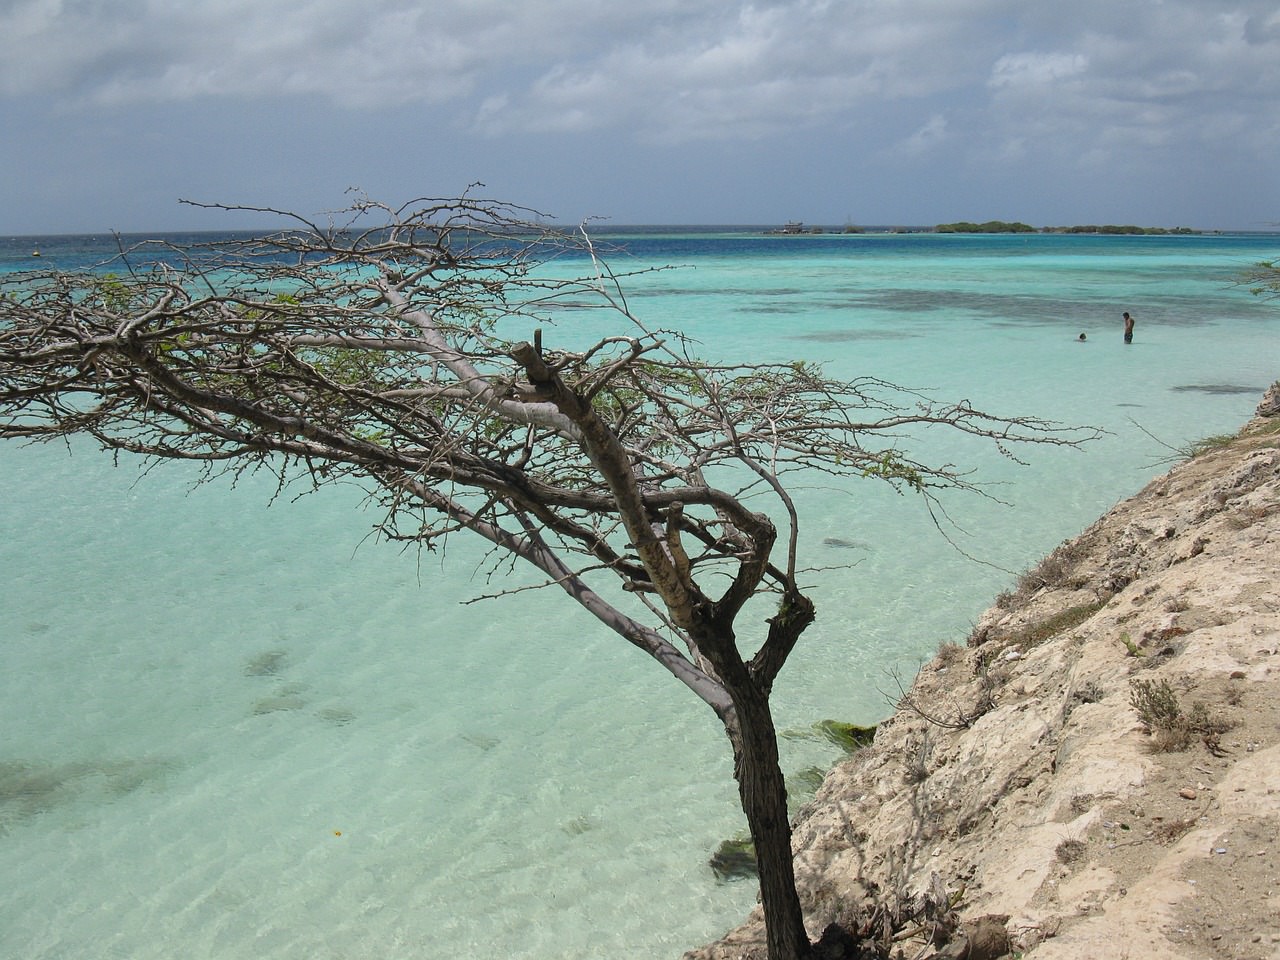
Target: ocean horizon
<point>239,726</point>
<point>605,227</point>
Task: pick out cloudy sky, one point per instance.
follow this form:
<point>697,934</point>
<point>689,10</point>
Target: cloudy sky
<point>1155,112</point>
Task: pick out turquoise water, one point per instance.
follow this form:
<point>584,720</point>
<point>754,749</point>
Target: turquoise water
<point>236,729</point>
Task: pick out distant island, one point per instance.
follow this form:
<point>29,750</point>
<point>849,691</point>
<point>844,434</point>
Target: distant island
<point>1002,226</point>
<point>991,226</point>
<point>797,227</point>
<point>1112,228</point>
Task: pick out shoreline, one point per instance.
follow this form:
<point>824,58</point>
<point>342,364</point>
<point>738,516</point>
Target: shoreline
<point>1096,771</point>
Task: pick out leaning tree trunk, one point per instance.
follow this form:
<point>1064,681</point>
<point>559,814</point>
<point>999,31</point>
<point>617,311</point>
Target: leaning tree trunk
<point>764,800</point>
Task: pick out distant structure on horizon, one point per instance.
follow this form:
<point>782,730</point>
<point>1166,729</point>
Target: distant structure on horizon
<point>797,228</point>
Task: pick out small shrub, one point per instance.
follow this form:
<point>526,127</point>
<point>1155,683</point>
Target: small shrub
<point>916,769</point>
<point>1082,802</point>
<point>1208,444</point>
<point>1070,851</point>
<point>1090,692</point>
<point>949,653</point>
<point>1203,723</point>
<point>1160,712</point>
<point>1235,694</point>
<point>1054,570</point>
<point>1171,728</point>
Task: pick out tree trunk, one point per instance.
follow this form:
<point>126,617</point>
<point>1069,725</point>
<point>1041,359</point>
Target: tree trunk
<point>764,800</point>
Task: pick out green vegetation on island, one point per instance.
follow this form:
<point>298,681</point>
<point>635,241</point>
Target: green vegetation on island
<point>1126,229</point>
<point>991,226</point>
<point>1003,226</point>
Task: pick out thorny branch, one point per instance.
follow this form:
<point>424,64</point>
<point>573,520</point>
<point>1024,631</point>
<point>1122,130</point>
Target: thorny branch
<point>391,346</point>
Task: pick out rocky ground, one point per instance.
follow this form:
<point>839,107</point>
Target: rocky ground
<point>1097,772</point>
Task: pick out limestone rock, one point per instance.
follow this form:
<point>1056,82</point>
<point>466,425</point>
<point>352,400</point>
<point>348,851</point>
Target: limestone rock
<point>991,763</point>
<point>1270,404</point>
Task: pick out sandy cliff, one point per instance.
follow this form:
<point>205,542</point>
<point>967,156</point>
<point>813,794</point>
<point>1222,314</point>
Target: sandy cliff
<point>1100,763</point>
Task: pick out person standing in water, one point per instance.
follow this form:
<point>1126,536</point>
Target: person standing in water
<point>1128,327</point>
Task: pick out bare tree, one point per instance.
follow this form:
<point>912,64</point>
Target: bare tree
<point>400,347</point>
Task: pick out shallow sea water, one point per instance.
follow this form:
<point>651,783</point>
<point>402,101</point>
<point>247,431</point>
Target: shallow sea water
<point>243,729</point>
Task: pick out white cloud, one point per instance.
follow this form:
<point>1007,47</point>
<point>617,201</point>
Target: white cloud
<point>1007,86</point>
<point>928,136</point>
<point>745,71</point>
<point>655,66</point>
<point>542,57</point>
<point>1036,69</point>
